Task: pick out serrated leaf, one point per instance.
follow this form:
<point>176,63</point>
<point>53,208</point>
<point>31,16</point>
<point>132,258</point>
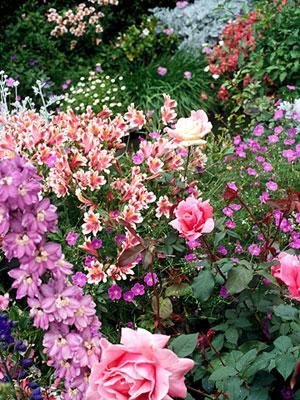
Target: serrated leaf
<point>223,373</point>
<point>238,279</point>
<point>203,285</point>
<point>184,345</point>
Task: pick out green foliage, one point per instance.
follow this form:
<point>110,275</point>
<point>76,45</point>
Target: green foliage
<point>142,43</point>
<point>145,85</point>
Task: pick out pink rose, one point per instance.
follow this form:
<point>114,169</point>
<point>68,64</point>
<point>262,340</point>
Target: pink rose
<point>288,272</point>
<point>190,131</point>
<point>4,302</point>
<point>193,217</point>
<point>139,368</point>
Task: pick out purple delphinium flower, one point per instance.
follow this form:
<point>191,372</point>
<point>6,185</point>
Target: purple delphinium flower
<point>96,244</point>
<point>71,238</point>
<point>79,279</point>
<point>254,250</point>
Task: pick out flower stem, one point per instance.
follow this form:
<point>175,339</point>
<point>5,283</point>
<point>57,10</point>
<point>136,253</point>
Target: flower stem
<point>187,162</point>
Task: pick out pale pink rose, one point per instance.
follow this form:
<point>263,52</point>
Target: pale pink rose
<point>288,272</point>
<point>139,368</point>
<point>193,217</point>
<point>190,131</point>
<point>4,302</point>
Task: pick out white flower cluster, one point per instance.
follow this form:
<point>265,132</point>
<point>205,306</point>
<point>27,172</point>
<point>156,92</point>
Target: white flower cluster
<point>199,22</point>
<point>97,90</point>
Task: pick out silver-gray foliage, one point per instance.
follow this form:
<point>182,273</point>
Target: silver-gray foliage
<point>200,22</point>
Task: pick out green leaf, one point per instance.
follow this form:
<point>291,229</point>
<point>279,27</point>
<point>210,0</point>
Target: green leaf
<point>232,335</point>
<point>223,373</point>
<point>246,360</point>
<point>285,365</point>
<point>184,345</point>
<point>165,307</point>
<point>283,344</point>
<point>259,394</point>
<point>178,290</point>
<point>286,312</point>
<point>189,397</point>
<point>203,285</point>
<point>238,279</point>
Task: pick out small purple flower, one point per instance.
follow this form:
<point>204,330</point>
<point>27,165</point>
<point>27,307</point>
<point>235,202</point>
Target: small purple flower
<point>129,324</point>
<point>96,244</point>
<point>138,158</point>
<point>149,277</point>
<point>224,292</point>
<point>71,238</point>
<point>290,155</point>
<point>264,197</point>
<point>258,130</point>
<point>193,244</point>
<point>260,158</point>
<point>254,250</point>
<point>182,4</point>
<point>235,207</point>
<point>138,289</point>
<point>187,75</point>
<point>168,31</point>
<point>51,160</point>
<point>119,239</point>
<point>128,296</point>
<point>162,71</point>
<point>238,247</point>
<point>271,185</point>
<point>266,281</point>
<point>273,138</point>
<point>115,292</point>
<point>230,224</point>
<point>278,129</point>
<point>251,171</point>
<point>227,211</point>
<point>88,261</point>
<point>222,250</point>
<point>232,186</point>
<point>189,257</point>
<point>278,114</point>
<point>10,82</point>
<point>291,87</point>
<point>79,279</point>
<point>154,135</point>
<point>267,167</point>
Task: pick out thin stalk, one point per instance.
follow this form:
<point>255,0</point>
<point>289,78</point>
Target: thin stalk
<point>198,391</point>
<point>187,162</point>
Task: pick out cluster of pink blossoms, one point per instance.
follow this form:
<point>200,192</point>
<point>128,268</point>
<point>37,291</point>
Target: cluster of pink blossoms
<point>78,21</point>
<point>69,317</point>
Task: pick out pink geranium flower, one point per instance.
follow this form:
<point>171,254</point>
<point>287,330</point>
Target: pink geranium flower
<point>140,367</point>
<point>193,217</point>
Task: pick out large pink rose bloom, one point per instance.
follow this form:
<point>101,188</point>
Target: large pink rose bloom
<point>193,217</point>
<point>138,369</point>
<point>191,131</point>
<point>288,272</point>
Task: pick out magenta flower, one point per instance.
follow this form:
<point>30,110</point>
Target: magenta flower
<point>71,238</point>
<point>264,197</point>
<point>251,171</point>
<point>150,279</point>
<point>79,279</point>
<point>26,285</point>
<point>128,296</point>
<point>290,154</point>
<point>227,211</point>
<point>258,130</point>
<point>138,158</point>
<point>273,138</point>
<point>190,257</point>
<point>96,244</point>
<point>187,75</point>
<point>267,167</point>
<point>230,224</point>
<point>272,186</point>
<point>10,82</point>
<point>138,289</point>
<point>115,292</point>
<point>278,114</point>
<point>168,31</point>
<point>254,250</point>
<point>193,244</point>
<point>291,87</point>
<point>162,71</point>
<point>182,4</point>
<point>224,292</point>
